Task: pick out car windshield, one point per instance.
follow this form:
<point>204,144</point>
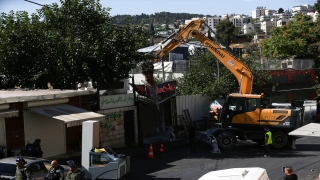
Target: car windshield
<point>7,169</point>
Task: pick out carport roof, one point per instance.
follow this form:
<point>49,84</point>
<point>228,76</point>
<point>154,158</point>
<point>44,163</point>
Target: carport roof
<point>71,115</point>
<point>312,129</point>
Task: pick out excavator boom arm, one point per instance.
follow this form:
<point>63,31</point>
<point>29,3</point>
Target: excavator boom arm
<point>239,70</point>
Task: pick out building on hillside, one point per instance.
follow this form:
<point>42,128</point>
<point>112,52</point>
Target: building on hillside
<point>257,26</point>
<point>265,18</point>
<point>267,25</point>
<point>239,21</point>
<point>285,15</point>
<point>259,37</point>
<point>303,9</point>
<point>283,22</point>
<point>248,28</point>
<point>269,12</point>
<point>259,11</point>
<point>213,21</point>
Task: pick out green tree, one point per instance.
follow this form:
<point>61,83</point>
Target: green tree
<point>259,31</point>
<point>280,10</point>
<point>68,44</point>
<point>299,37</point>
<point>203,79</point>
<point>22,40</point>
<point>316,6</point>
<point>226,30</point>
<point>152,32</point>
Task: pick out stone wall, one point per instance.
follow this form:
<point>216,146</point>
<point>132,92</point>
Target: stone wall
<point>112,134</point>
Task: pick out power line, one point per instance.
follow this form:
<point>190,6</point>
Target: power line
<point>37,3</point>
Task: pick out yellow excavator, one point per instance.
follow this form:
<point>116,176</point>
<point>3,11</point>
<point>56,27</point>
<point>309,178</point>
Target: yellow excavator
<point>244,115</point>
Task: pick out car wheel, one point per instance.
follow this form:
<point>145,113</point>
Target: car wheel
<point>279,139</point>
<point>226,140</point>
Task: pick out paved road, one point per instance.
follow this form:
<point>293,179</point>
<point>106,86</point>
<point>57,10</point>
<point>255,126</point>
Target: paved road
<point>177,164</point>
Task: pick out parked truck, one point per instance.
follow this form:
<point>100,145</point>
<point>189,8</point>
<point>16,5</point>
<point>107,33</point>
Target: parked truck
<point>244,115</point>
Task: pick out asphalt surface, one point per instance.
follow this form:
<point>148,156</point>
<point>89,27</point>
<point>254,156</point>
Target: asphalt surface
<point>176,164</point>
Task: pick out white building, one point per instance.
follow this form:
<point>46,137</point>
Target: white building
<point>213,21</point>
<point>259,11</point>
<point>285,15</point>
<point>267,25</point>
<point>269,12</point>
<point>283,22</point>
<point>304,9</point>
<point>237,22</point>
<point>265,18</point>
<point>248,28</point>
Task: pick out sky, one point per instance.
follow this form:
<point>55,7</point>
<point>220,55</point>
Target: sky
<point>137,7</point>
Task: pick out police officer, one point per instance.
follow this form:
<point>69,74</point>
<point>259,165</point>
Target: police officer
<point>74,173</point>
<point>22,173</point>
<point>56,172</point>
<point>268,142</point>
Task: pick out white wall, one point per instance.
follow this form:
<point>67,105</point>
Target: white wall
<point>49,130</point>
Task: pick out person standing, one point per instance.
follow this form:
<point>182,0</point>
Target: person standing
<point>74,173</point>
<point>56,172</point>
<point>192,138</point>
<point>22,173</point>
<point>289,174</point>
<point>268,142</point>
<point>34,149</point>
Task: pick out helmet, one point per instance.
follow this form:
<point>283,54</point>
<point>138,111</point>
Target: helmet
<point>71,163</point>
<point>21,160</point>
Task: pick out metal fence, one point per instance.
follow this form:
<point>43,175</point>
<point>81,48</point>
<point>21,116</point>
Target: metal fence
<point>197,105</point>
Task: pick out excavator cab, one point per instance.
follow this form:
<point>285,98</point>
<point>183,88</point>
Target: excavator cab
<point>240,109</point>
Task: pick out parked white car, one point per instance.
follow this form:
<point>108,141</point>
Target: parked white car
<point>37,166</point>
<point>247,173</point>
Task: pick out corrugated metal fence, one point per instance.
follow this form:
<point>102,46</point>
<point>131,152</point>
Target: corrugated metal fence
<point>197,105</point>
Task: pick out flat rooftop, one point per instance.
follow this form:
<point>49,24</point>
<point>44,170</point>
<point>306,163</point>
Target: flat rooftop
<point>21,95</point>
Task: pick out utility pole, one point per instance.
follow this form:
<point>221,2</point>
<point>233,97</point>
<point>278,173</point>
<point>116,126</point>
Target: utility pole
<point>261,61</point>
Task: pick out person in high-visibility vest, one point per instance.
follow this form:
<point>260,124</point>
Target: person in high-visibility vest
<point>268,141</point>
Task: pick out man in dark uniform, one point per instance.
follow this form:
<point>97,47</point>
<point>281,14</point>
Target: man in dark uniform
<point>74,173</point>
<point>34,149</point>
<point>192,138</point>
<point>22,173</point>
<point>56,172</point>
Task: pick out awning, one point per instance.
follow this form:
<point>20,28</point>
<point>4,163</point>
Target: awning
<point>9,113</point>
<point>312,129</point>
<point>71,115</point>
